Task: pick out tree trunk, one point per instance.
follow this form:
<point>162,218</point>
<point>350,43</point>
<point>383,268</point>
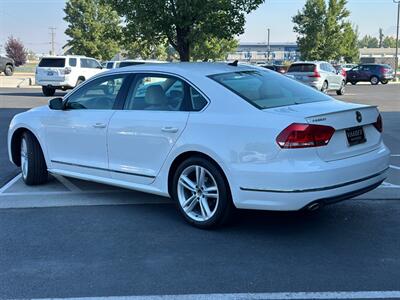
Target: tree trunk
<point>183,44</point>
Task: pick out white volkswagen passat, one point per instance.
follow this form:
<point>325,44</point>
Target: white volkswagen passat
<point>211,136</point>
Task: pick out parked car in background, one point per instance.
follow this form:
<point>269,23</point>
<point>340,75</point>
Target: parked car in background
<point>7,65</point>
<point>277,68</point>
<point>318,74</point>
<point>112,64</point>
<point>134,62</point>
<point>212,136</point>
<point>347,67</point>
<point>340,70</point>
<point>373,73</point>
<point>65,72</point>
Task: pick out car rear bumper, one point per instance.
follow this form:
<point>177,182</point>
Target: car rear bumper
<point>54,83</point>
<point>295,185</point>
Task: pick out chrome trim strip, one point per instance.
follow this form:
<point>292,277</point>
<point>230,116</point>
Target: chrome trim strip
<point>317,189</point>
<point>102,169</point>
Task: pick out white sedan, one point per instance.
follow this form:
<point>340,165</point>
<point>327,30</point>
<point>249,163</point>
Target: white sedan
<point>211,136</point>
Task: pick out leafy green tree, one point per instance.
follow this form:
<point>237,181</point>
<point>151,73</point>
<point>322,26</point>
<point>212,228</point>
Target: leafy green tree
<point>183,23</point>
<point>324,32</point>
<point>389,42</point>
<point>368,42</point>
<point>213,49</point>
<point>143,49</point>
<point>381,36</point>
<point>94,28</point>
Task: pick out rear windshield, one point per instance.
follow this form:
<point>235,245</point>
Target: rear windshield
<point>130,63</point>
<point>265,89</point>
<point>302,68</point>
<point>52,62</point>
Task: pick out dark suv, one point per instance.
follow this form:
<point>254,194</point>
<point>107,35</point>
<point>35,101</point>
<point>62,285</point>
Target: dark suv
<point>373,73</point>
<point>6,65</point>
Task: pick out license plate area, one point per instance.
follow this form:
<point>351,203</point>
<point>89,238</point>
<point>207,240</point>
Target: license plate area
<point>50,73</point>
<point>355,135</point>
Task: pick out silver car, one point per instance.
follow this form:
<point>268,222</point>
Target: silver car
<point>318,74</point>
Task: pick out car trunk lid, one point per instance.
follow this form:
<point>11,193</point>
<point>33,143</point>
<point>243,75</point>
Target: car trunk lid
<point>51,69</point>
<point>349,121</point>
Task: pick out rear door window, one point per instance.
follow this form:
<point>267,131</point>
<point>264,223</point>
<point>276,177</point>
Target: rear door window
<point>301,68</point>
<point>52,63</point>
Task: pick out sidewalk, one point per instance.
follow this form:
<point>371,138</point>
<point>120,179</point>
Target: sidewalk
<point>18,80</point>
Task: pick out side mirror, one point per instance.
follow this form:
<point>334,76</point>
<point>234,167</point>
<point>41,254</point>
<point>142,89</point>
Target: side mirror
<point>56,104</point>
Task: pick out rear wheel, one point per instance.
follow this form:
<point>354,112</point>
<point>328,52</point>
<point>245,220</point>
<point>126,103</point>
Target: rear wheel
<point>201,193</point>
<point>79,81</point>
<point>48,91</point>
<point>324,88</point>
<point>384,81</point>
<point>342,89</point>
<point>374,80</point>
<point>33,164</point>
<point>9,70</point>
<point>353,82</point>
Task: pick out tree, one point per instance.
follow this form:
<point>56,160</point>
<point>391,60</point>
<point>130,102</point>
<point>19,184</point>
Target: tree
<point>368,42</point>
<point>16,51</point>
<point>94,28</point>
<point>389,42</point>
<point>213,49</point>
<point>143,49</point>
<point>324,32</point>
<point>184,23</point>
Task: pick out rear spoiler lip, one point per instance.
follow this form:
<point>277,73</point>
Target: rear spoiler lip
<point>343,110</point>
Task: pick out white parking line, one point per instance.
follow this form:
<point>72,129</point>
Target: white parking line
<point>67,183</point>
<point>10,183</point>
<point>253,296</point>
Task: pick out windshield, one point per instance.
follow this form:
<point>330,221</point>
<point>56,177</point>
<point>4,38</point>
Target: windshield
<point>265,89</point>
<point>52,62</point>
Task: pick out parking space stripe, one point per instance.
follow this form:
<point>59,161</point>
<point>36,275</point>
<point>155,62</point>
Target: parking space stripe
<point>10,183</point>
<point>67,183</point>
<point>252,296</point>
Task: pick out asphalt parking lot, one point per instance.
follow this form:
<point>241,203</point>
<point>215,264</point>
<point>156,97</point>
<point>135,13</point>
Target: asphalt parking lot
<point>77,239</point>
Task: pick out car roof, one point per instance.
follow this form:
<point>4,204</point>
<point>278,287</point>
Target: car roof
<point>186,68</point>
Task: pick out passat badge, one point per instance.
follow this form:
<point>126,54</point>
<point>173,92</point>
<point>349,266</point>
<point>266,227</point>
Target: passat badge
<point>358,117</point>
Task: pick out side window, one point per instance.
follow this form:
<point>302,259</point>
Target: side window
<point>162,93</point>
<point>72,62</point>
<point>84,63</point>
<point>110,65</point>
<point>198,101</point>
<point>93,64</point>
<point>98,94</point>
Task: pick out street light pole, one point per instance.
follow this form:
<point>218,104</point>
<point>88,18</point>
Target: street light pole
<point>268,46</point>
<point>396,59</point>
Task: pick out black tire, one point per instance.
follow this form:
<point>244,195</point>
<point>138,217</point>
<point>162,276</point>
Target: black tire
<point>48,91</point>
<point>325,87</point>
<point>374,80</point>
<point>353,82</point>
<point>9,70</point>
<point>384,81</point>
<point>36,172</point>
<point>223,210</point>
<point>342,89</point>
<point>79,81</point>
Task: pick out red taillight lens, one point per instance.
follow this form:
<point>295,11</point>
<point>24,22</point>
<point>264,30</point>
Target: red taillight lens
<point>379,124</point>
<point>316,74</point>
<point>304,136</point>
<point>344,73</point>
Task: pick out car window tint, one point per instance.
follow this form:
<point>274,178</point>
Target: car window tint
<point>301,68</point>
<point>156,93</point>
<point>268,89</point>
<point>52,62</point>
<point>198,101</point>
<point>72,62</point>
<point>98,94</point>
<point>110,65</point>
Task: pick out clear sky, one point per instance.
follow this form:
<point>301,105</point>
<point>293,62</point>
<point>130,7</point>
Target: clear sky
<point>30,20</point>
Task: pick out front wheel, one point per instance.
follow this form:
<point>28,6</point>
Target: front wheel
<point>201,193</point>
<point>9,71</point>
<point>48,91</point>
<point>342,90</point>
<point>33,164</point>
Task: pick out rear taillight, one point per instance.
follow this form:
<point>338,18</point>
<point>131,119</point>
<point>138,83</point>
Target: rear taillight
<point>344,73</point>
<point>299,135</point>
<point>67,70</point>
<point>385,70</point>
<point>316,74</point>
<point>379,124</point>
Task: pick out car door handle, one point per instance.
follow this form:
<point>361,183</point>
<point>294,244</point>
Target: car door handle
<point>169,129</point>
<point>99,125</point>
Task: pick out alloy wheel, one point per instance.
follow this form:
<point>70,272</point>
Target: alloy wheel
<point>198,193</point>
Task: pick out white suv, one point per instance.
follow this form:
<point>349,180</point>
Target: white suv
<point>64,72</point>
